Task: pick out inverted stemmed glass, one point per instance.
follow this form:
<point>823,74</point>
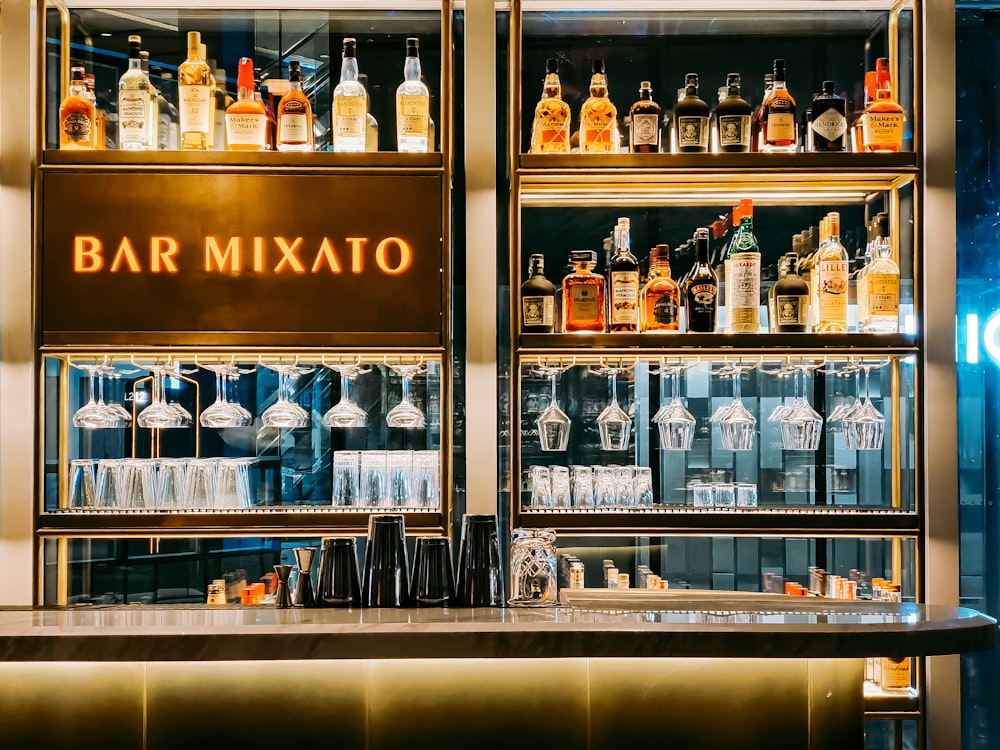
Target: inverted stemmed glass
<point>675,423</point>
<point>864,425</point>
<point>225,413</point>
<point>737,424</point>
<point>779,411</point>
<point>614,423</point>
<point>801,425</point>
<point>841,410</point>
<point>161,414</point>
<point>406,415</point>
<point>96,414</point>
<point>553,423</point>
<point>345,413</point>
<point>285,413</point>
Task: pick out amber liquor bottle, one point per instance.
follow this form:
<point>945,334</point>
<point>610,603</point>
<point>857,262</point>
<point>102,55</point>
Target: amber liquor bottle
<point>584,292</point>
<point>661,297</point>
<point>295,126</point>
<point>701,290</point>
<point>76,115</point>
<point>537,299</point>
<point>779,130</point>
<point>882,129</point>
<point>246,118</point>
<point>599,117</point>
<point>644,132</point>
<point>550,127</point>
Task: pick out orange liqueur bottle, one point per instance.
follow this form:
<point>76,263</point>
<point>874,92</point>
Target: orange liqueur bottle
<point>584,295</point>
<point>661,297</point>
<point>246,118</point>
<point>77,130</point>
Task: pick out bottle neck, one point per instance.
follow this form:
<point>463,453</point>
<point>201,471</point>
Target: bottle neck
<point>735,91</point>
<point>134,63</point>
<point>349,69</point>
<point>194,54</point>
<point>78,88</point>
<point>645,95</point>
<point>659,267</point>
<point>582,266</point>
<point>599,85</point>
<point>295,85</point>
<point>691,90</point>
<point>701,252</point>
<point>536,270</point>
<point>411,69</point>
<point>553,87</point>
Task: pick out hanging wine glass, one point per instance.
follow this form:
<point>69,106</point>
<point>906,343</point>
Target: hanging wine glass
<point>406,415</point>
<point>676,425</point>
<point>284,413</point>
<point>864,427</point>
<point>779,411</point>
<point>738,425</point>
<point>801,426</point>
<point>114,376</point>
<point>843,409</point>
<point>724,372</point>
<point>95,414</point>
<point>224,413</point>
<point>553,423</point>
<point>345,413</point>
<point>160,414</point>
<point>614,423</point>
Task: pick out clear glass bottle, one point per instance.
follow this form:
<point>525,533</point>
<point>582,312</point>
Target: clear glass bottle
<point>584,295</point>
<point>660,301</point>
<point>76,115</point>
<point>413,105</point>
<point>598,116</point>
<point>295,131</point>
<point>644,122</point>
<point>153,129</point>
<point>878,286</point>
<point>550,126</point>
<point>537,299</point>
<point>732,118</point>
<point>194,93</point>
<point>832,266</point>
<point>691,115</point>
<point>743,276</point>
<point>623,276</point>
<point>779,131</point>
<point>246,118</point>
<point>133,102</point>
<point>350,104</point>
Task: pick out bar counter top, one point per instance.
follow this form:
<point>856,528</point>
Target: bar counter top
<point>754,627</point>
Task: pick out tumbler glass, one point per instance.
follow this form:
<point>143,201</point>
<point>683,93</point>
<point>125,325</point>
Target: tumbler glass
<point>540,485</point>
<point>427,478</point>
<point>82,485</point>
<point>605,492</point>
<point>346,478</point>
<point>170,483</point>
<point>582,486</point>
<point>374,479</point>
<point>109,483</point>
<point>399,466</point>
<point>534,572</point>
<point>642,487</point>
<point>704,495</point>
<point>560,486</point>
<point>725,495</point>
<point>199,490</point>
<point>746,495</point>
<point>624,486</point>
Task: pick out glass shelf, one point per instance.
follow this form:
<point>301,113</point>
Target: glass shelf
<point>383,161</point>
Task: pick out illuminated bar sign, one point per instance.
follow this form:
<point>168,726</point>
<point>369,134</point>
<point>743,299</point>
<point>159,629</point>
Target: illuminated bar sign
<point>301,259</point>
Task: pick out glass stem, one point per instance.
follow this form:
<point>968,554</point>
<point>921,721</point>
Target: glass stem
<point>345,389</point>
<point>614,387</point>
<point>406,390</point>
<point>552,381</point>
<point>220,391</point>
<point>92,388</point>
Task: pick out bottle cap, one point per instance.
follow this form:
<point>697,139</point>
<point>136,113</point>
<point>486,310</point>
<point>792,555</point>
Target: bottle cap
<point>779,69</point>
<point>828,87</point>
<point>701,233</point>
<point>768,78</point>
<point>733,79</point>
<point>537,261</point>
<point>551,65</point>
<point>583,256</point>
<point>412,46</point>
<point>645,85</point>
<point>598,65</point>
<point>746,208</point>
<point>194,42</point>
<point>623,580</point>
<point>882,226</point>
<point>245,78</point>
<point>691,79</point>
<point>134,39</point>
<point>77,73</point>
<point>350,47</point>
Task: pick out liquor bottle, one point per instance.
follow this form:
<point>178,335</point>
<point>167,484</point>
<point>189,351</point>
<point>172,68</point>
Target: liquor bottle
<point>76,115</point>
<point>263,98</point>
<point>295,132</point>
<point>733,118</point>
<point>133,102</point>
<point>583,301</point>
<point>623,278</point>
<point>791,300</point>
<point>194,93</point>
<point>831,280</point>
<point>220,103</point>
<point>371,124</point>
<point>692,119</point>
<point>598,117</point>
<point>644,131</point>
<point>777,124</point>
<point>756,131</point>
<point>828,121</point>
<point>858,128</point>
<point>782,270</point>
<point>153,120</point>
<point>883,125</point>
<point>550,128</point>
<point>743,276</point>
<point>167,128</point>
<point>660,302</point>
<point>537,299</point>
<point>350,104</point>
<point>99,121</point>
<point>701,291</point>
<point>246,118</point>
<point>413,105</point>
<point>878,286</point>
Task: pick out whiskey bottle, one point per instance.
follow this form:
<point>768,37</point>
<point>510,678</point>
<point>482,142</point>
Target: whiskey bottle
<point>691,115</point>
<point>295,132</point>
<point>778,127</point>
<point>350,105</point>
<point>743,276</point>
<point>550,128</point>
<point>828,121</point>
<point>883,123</point>
<point>756,131</point>
<point>413,105</point>
<point>153,120</point>
<point>599,117</point>
<point>537,299</point>
<point>878,286</point>
<point>623,273</point>
<point>733,118</point>
<point>701,291</point>
<point>660,301</point>
<point>76,115</point>
<point>583,302</point>
<point>644,130</point>
<point>133,102</point>
<point>194,94</point>
<point>791,300</point>
<point>246,118</point>
<point>831,280</point>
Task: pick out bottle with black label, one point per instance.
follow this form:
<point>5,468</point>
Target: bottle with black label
<point>701,290</point>
<point>791,300</point>
<point>691,116</point>
<point>733,118</point>
<point>828,121</point>
<point>538,297</point>
<point>644,132</point>
<point>623,286</point>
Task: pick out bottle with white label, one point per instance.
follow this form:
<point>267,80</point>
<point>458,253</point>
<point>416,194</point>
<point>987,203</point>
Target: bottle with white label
<point>350,104</point>
<point>623,283</point>
<point>644,131</point>
<point>828,120</point>
<point>831,275</point>
<point>878,286</point>
<point>779,130</point>
<point>883,118</point>
<point>295,132</point>
<point>133,102</point>
<point>732,118</point>
<point>194,95</point>
<point>538,297</point>
<point>413,105</point>
<point>743,276</point>
<point>691,119</point>
<point>246,118</point>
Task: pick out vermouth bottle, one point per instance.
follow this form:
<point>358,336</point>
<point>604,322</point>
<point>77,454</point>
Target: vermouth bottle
<point>701,290</point>
<point>153,120</point>
<point>133,102</point>
<point>623,272</point>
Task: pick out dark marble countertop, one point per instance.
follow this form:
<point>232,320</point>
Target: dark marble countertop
<point>717,627</point>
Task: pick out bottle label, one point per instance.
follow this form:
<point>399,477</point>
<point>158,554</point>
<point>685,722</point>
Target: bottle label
<point>883,129</point>
<point>831,125</point>
<point>882,293</point>
<point>734,130</point>
<point>895,672</point>
<point>584,304</point>
<point>833,290</point>
<point>692,131</point>
<point>743,284</point>
<point>352,116</point>
<point>791,309</point>
<point>665,310</point>
<point>625,298</point>
<point>538,311</point>
<point>246,129</point>
<point>412,115</point>
<point>597,129</point>
<point>196,106</point>
<point>645,130</point>
<point>76,127</point>
<point>133,111</point>
<point>552,129</point>
<point>780,126</point>
<point>702,297</point>
<point>293,128</point>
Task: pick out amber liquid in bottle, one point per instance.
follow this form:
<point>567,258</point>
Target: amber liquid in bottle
<point>661,297</point>
<point>550,128</point>
<point>883,119</point>
<point>77,127</point>
<point>584,296</point>
<point>295,132</point>
<point>246,118</point>
<point>779,130</point>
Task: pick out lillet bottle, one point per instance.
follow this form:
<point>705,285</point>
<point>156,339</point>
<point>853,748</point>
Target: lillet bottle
<point>551,125</point>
